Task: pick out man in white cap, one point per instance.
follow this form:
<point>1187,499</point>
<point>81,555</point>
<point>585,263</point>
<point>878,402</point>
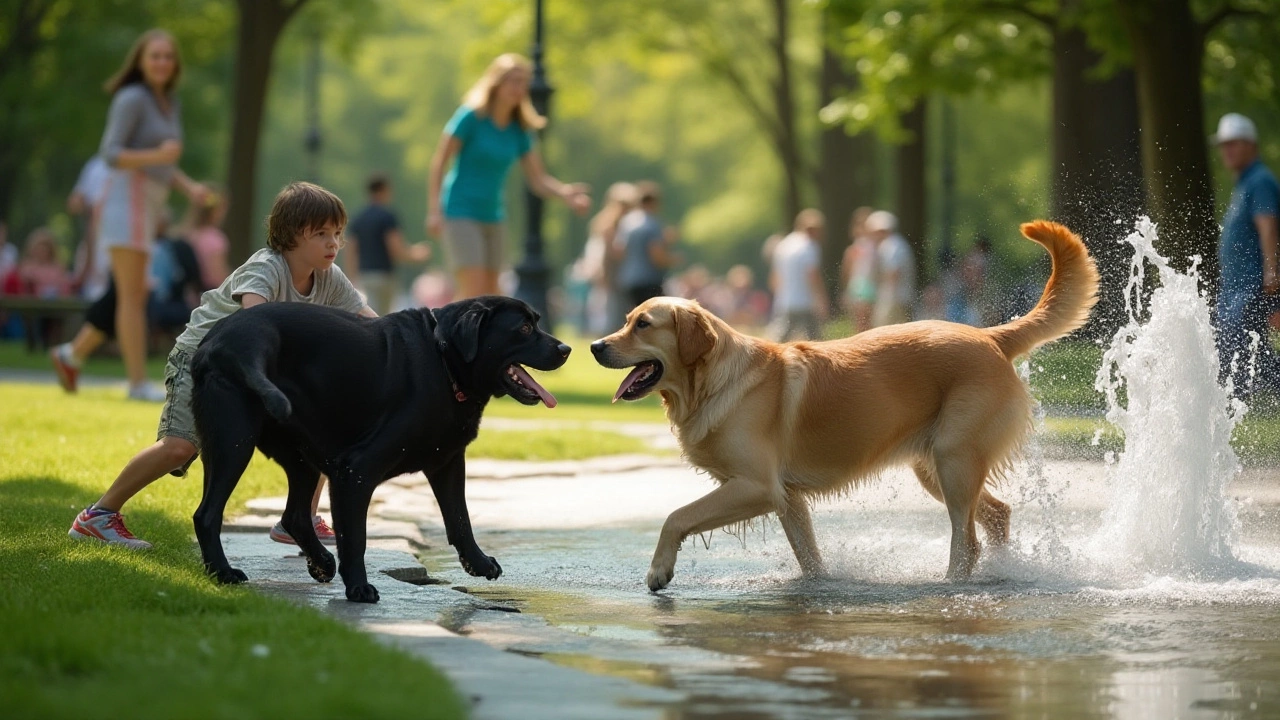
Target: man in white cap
<point>895,271</point>
<point>1247,254</point>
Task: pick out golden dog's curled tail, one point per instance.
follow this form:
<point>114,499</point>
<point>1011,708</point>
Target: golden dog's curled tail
<point>1071,292</point>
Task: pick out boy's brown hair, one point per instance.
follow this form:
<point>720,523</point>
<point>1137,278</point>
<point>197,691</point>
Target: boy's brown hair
<point>299,207</point>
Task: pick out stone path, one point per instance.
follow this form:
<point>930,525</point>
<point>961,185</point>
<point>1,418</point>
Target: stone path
<point>499,684</point>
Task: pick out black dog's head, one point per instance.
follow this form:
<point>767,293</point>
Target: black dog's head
<point>490,339</point>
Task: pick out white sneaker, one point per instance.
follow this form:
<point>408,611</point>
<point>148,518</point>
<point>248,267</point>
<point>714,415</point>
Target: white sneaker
<point>147,392</point>
<point>105,526</point>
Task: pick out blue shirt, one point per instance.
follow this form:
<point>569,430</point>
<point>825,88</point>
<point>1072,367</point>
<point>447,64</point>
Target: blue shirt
<point>1240,250</point>
<point>473,187</point>
<point>371,228</point>
<point>638,232</point>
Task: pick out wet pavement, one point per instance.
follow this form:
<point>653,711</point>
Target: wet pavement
<point>1062,623</point>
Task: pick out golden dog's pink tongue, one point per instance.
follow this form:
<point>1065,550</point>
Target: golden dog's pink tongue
<point>547,398</point>
<point>630,380</point>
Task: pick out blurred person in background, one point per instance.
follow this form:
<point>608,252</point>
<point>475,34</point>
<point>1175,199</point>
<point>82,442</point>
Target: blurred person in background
<point>92,264</point>
<point>601,257</point>
<point>142,143</point>
<point>492,129</point>
<point>1247,255</point>
<point>202,227</point>
<point>858,271</point>
<point>41,273</point>
<point>895,271</point>
<point>379,246</point>
<point>799,295</point>
<point>646,248</point>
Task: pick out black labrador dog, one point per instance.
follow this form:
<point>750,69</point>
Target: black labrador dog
<point>361,400</point>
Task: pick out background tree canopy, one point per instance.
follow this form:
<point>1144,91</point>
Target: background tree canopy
<point>962,110</point>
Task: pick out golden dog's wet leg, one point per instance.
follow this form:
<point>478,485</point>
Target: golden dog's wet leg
<point>798,525</point>
<point>993,516</point>
<point>961,479</point>
<point>734,501</point>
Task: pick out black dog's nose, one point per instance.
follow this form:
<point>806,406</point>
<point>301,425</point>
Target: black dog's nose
<point>564,350</point>
<point>597,347</point>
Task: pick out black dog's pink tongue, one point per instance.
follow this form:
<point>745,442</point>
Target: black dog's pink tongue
<point>547,398</point>
<point>629,381</point>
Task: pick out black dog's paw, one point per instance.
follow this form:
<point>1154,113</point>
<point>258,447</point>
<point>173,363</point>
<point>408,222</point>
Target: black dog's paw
<point>362,593</point>
<point>487,567</point>
<point>324,570</point>
<point>228,576</point>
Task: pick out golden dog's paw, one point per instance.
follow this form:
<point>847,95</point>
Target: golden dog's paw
<point>658,578</point>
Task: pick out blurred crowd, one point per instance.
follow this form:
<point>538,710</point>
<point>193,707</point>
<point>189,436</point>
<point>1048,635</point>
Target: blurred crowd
<point>190,257</point>
<point>631,255</point>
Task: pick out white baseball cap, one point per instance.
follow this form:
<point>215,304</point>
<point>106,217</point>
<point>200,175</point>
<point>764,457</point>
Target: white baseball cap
<point>881,220</point>
<point>1234,126</point>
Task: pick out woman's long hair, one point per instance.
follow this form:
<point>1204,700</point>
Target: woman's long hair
<point>621,198</point>
<point>480,96</point>
<point>131,71</point>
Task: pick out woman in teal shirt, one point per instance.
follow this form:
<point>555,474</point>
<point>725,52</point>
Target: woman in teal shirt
<point>493,128</point>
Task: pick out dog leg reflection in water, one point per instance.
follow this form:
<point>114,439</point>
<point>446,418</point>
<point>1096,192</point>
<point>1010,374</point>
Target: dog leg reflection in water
<point>360,400</point>
<point>778,424</point>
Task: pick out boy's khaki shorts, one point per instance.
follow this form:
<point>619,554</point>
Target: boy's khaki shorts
<point>176,418</point>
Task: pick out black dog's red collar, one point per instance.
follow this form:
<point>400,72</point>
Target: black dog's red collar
<point>444,360</point>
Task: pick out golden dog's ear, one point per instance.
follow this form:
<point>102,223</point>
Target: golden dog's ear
<point>694,334</point>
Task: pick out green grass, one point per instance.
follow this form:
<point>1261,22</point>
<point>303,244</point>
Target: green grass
<point>1256,439</point>
<point>1062,375</point>
<point>14,355</point>
<point>564,443</point>
<point>91,630</point>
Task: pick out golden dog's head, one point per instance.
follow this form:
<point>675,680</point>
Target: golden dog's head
<point>663,340</point>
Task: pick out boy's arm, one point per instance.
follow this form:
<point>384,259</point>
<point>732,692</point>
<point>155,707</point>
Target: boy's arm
<point>248,300</point>
<point>368,312</point>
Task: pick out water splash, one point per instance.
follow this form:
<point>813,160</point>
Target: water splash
<point>1170,512</point>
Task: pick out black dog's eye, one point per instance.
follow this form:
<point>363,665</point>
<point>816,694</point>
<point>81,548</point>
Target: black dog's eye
<point>525,329</point>
<point>642,324</point>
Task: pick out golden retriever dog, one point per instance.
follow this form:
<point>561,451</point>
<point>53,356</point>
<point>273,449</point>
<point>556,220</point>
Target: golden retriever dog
<point>779,424</point>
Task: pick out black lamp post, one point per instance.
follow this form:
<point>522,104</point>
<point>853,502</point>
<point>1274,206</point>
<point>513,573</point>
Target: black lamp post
<point>533,272</point>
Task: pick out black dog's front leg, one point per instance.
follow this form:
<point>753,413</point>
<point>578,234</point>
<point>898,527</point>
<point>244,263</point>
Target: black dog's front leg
<point>449,484</point>
<point>349,494</point>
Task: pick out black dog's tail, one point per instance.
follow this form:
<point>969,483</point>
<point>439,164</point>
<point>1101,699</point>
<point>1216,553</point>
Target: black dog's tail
<point>277,405</point>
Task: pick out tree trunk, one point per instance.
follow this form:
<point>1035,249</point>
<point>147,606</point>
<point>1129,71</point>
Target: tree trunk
<point>912,205</point>
<point>261,22</point>
<point>784,102</point>
<point>1168,53</point>
<point>846,167</point>
<point>23,40</point>
<point>1097,177</point>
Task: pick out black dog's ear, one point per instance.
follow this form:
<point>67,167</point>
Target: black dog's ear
<point>466,332</point>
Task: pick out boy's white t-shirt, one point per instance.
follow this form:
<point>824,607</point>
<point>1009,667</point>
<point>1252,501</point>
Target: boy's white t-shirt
<point>795,257</point>
<point>267,274</point>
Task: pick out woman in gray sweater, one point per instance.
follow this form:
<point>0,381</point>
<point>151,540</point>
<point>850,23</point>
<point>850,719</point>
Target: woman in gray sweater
<point>142,144</point>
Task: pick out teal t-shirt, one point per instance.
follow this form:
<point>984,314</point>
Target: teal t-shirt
<point>473,187</point>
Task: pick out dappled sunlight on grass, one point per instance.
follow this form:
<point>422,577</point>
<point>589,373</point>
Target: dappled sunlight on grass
<point>146,633</point>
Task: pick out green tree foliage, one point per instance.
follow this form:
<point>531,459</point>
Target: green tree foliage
<point>51,80</point>
<point>674,91</point>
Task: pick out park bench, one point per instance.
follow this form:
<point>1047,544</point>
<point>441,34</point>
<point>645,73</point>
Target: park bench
<point>70,311</point>
<point>33,310</point>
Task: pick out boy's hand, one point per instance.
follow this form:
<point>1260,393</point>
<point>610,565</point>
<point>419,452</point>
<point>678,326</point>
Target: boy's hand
<point>435,224</point>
